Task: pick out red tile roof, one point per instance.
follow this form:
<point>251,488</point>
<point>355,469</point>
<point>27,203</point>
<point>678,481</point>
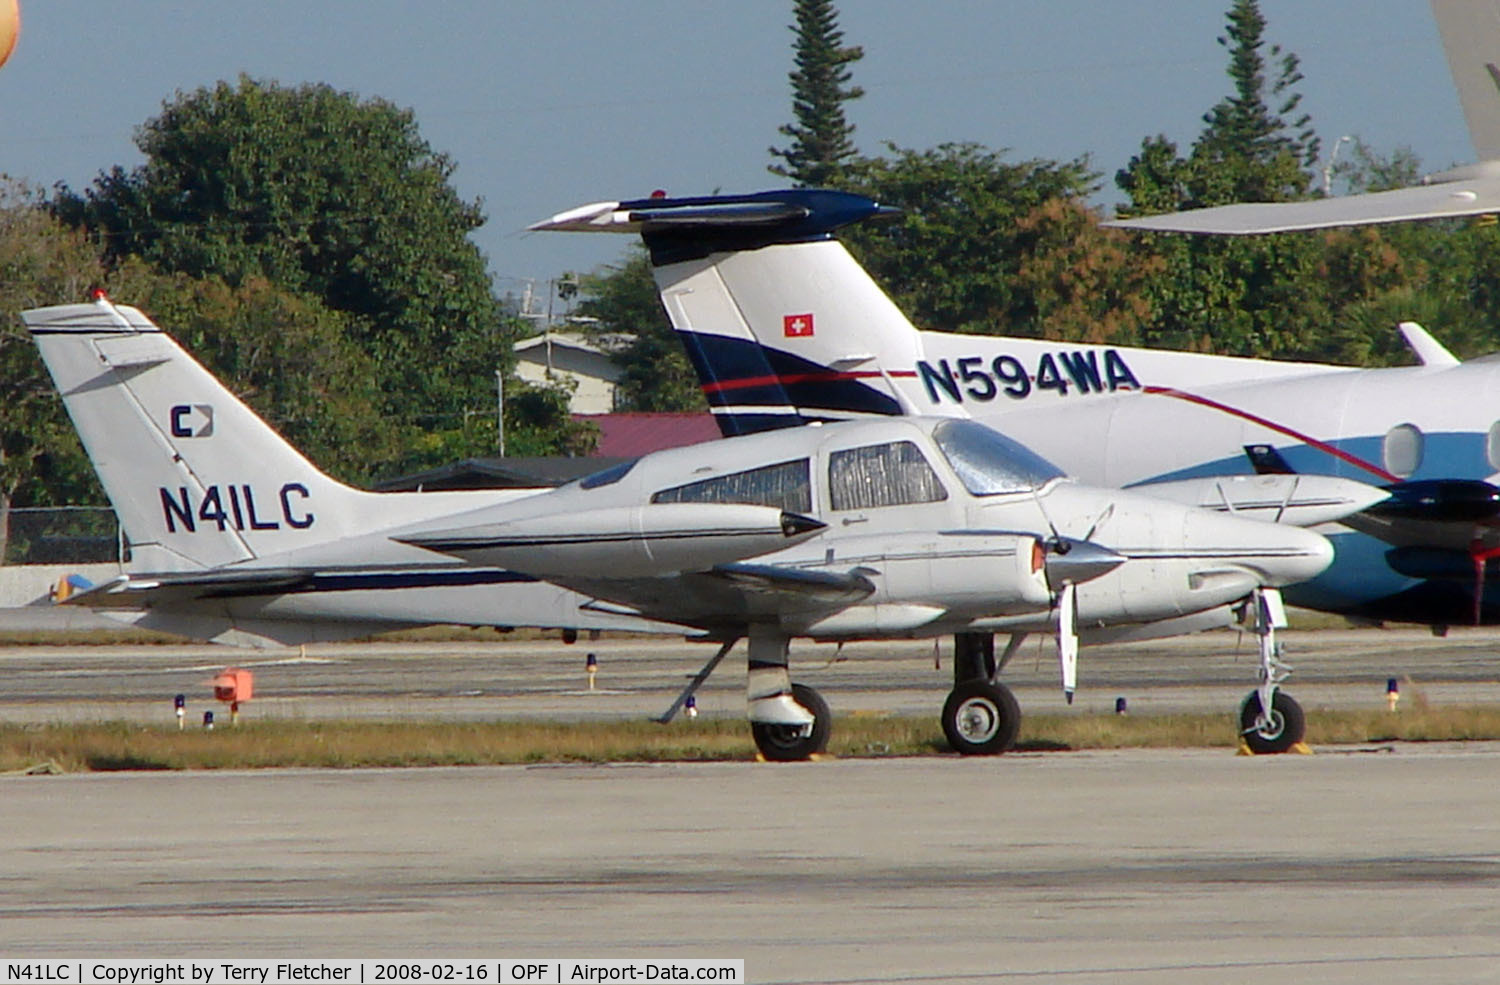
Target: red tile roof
<point>629,435</point>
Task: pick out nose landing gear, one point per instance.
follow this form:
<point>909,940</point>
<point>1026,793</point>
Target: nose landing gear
<point>1270,720</point>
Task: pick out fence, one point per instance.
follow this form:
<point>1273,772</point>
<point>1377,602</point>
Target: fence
<point>61,535</point>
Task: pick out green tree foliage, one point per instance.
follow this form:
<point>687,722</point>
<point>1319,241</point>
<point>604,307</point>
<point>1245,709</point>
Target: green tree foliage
<point>286,355</point>
<point>1246,296</point>
<point>970,221</point>
<point>532,415</point>
<point>1250,151</point>
<point>1083,282</point>
<point>821,138</point>
<point>325,196</point>
<point>633,325</point>
<point>41,263</point>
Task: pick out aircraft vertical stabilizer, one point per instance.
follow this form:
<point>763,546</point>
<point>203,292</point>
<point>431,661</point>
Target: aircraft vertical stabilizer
<point>1471,42</point>
<point>767,303</point>
<point>196,477</point>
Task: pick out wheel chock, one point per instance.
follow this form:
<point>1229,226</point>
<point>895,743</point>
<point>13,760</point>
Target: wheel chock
<point>1301,749</point>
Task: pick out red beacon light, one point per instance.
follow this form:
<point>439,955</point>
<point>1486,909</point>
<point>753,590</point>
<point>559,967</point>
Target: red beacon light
<point>98,294</point>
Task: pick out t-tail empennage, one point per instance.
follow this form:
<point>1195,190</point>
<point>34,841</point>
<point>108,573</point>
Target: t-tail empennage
<point>677,229</point>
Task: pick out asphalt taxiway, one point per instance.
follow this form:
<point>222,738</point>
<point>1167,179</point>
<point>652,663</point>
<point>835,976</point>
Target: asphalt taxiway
<point>639,677</point>
<point>1169,868</point>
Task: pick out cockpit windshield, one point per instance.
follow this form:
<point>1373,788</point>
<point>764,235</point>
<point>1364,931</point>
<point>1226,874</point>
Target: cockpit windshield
<point>987,462</point>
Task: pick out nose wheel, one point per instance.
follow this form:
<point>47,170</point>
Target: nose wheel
<point>1275,732</point>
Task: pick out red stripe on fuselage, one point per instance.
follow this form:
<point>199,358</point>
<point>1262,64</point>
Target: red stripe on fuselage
<point>829,376</point>
<point>1323,446</point>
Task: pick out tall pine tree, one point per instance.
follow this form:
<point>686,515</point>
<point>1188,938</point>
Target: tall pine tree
<point>821,138</point>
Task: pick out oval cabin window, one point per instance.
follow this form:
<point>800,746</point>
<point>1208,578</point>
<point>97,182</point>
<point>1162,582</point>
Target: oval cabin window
<point>1402,450</point>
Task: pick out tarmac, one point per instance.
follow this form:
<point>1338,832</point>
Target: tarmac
<point>1357,864</point>
<point>639,677</point>
<point>1150,867</point>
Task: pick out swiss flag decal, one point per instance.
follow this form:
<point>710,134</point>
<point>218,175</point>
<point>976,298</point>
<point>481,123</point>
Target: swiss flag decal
<point>794,326</point>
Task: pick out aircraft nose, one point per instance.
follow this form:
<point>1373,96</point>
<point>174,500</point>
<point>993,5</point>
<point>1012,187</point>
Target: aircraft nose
<point>1280,555</point>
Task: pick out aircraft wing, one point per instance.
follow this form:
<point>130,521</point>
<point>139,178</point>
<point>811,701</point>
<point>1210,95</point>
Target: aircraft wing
<point>146,591</point>
<point>1446,200</point>
<point>728,594</point>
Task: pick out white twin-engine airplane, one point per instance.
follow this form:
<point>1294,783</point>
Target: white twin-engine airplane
<point>784,327</point>
<point>886,528</point>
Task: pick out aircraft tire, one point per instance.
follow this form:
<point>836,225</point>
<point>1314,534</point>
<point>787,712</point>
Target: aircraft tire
<point>981,719</point>
<point>1287,726</point>
<point>786,743</point>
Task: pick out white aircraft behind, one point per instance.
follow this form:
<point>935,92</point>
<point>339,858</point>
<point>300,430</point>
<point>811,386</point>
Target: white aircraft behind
<point>784,327</point>
<point>876,529</point>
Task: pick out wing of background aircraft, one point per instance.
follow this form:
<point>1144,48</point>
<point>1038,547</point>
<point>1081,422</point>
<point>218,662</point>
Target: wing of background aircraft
<point>1450,197</point>
<point>1470,30</point>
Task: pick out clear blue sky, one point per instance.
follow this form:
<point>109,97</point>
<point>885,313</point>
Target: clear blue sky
<point>546,104</point>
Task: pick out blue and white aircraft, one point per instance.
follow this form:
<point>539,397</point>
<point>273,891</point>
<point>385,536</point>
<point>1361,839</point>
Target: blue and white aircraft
<point>784,327</point>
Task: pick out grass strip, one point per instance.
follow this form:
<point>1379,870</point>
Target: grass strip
<point>341,744</point>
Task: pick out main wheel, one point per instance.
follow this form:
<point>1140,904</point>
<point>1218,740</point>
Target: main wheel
<point>981,719</point>
<point>1284,728</point>
<point>790,743</point>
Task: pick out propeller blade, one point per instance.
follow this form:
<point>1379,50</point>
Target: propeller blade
<point>1067,639</point>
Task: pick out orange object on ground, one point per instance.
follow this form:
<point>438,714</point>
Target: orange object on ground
<point>234,685</point>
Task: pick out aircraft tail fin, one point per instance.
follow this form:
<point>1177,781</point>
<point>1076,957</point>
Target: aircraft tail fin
<point>767,303</point>
<point>197,479</point>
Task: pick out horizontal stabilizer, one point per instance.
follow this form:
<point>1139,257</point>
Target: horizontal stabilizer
<point>145,591</point>
<point>1445,200</point>
<point>675,229</point>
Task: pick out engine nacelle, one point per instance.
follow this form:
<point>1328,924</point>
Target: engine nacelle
<point>920,578</point>
<point>622,542</point>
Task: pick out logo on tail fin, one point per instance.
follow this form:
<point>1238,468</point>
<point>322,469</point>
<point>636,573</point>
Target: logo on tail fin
<point>192,420</point>
<point>797,326</point>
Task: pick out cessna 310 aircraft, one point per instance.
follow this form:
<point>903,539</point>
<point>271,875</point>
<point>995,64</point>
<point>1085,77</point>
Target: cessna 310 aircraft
<point>784,327</point>
<point>926,526</point>
<point>884,528</point>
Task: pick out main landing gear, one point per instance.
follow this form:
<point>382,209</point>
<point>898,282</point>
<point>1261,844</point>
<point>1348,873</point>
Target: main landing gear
<point>789,722</point>
<point>981,716</point>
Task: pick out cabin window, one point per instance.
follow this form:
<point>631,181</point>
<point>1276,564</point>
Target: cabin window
<point>785,485</point>
<point>893,474</point>
<point>1492,447</point>
<point>1402,450</point>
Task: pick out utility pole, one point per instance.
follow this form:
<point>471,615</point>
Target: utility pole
<point>500,410</point>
